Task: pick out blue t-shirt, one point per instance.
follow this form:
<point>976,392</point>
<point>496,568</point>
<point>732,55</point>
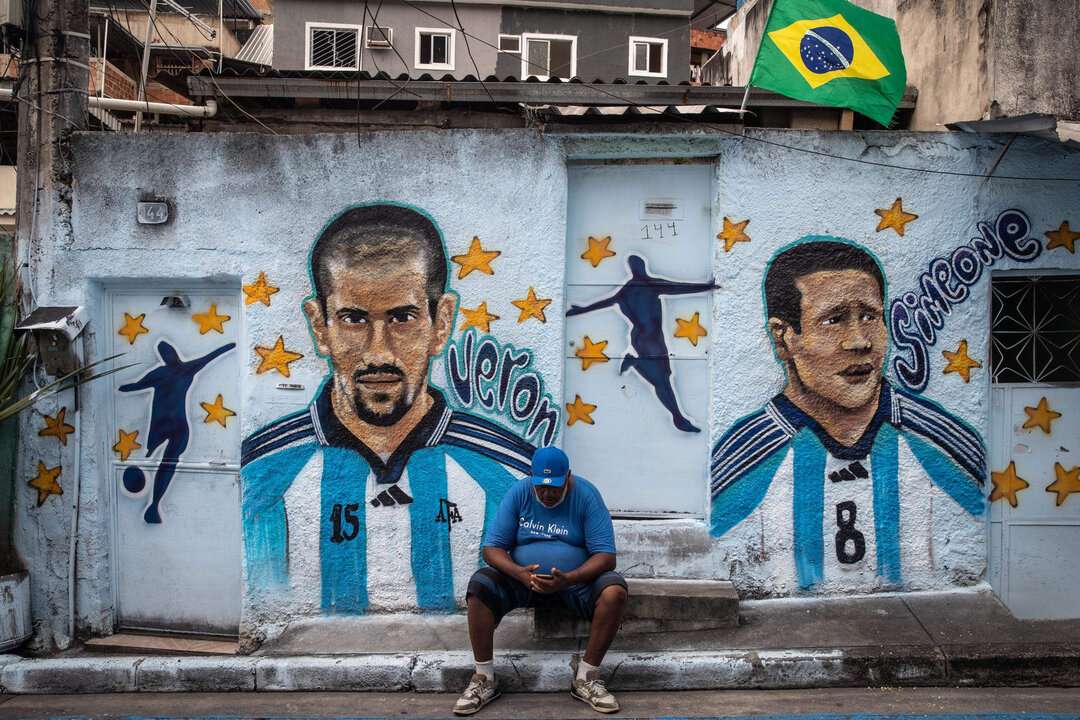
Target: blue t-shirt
<point>562,537</point>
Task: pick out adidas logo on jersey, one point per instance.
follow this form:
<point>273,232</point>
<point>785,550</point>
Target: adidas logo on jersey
<point>853,471</point>
<point>390,497</point>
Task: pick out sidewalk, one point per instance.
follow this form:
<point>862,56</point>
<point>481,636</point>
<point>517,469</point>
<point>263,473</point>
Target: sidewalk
<point>951,638</point>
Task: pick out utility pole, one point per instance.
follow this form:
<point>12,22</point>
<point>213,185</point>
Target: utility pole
<point>54,77</point>
<point>51,102</point>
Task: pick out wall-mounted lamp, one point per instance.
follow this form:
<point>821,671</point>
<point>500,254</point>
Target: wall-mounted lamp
<point>176,301</point>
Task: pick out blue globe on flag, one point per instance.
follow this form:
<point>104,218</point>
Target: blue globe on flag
<point>825,49</point>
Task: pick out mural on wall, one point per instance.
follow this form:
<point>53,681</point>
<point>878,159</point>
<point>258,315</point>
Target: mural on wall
<point>169,382</point>
<point>46,482</point>
<point>377,494</point>
<point>821,469</point>
<point>56,427</point>
<point>638,301</point>
<point>916,316</point>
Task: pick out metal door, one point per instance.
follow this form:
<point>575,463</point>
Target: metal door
<point>174,448</point>
<point>639,295</point>
<point>1034,517</point>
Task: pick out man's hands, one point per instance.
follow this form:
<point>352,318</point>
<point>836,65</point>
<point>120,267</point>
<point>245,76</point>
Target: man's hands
<point>557,582</point>
<point>527,577</point>
<point>524,575</point>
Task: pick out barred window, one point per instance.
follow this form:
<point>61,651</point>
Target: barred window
<point>333,47</point>
<point>1035,331</point>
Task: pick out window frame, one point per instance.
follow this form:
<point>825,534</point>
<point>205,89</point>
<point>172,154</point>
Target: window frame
<point>527,36</point>
<point>511,52</point>
<point>636,40</point>
<point>449,33</point>
<point>309,27</point>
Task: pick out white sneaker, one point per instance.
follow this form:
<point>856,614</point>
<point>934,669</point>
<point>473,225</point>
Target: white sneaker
<point>480,692</point>
<point>591,690</point>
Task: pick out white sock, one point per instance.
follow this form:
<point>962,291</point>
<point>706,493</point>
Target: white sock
<point>487,668</point>
<point>583,669</point>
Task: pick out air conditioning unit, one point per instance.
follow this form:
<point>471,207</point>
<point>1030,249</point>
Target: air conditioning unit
<point>379,37</point>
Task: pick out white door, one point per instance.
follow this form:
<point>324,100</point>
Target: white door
<point>174,448</point>
<point>639,304</point>
<point>1034,531</point>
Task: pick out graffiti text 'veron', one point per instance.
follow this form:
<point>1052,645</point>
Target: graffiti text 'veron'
<point>486,376</point>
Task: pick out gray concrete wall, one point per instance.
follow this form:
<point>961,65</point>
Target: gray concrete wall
<point>1035,58</point>
<point>480,21</point>
<point>602,41</point>
<point>948,48</point>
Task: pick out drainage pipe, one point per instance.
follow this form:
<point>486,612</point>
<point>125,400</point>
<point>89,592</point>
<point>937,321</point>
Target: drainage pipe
<point>198,111</point>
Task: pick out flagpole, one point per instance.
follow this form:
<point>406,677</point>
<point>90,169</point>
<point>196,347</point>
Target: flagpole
<point>746,95</point>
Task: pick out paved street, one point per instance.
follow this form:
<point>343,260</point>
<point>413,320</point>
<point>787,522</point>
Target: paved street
<point>907,702</point>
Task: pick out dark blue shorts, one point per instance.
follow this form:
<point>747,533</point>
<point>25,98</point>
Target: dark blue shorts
<point>501,593</point>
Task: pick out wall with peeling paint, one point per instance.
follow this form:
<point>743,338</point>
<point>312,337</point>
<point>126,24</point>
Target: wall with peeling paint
<point>246,210</point>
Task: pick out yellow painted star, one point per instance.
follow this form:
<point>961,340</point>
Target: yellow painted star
<point>275,358</point>
<point>598,250</point>
<point>1006,484</point>
<point>690,329</point>
<point>56,427</point>
<point>1062,237</point>
<point>259,291</point>
<point>216,411</point>
<point>132,328</point>
<point>479,318</point>
<point>579,410</point>
<point>476,259</point>
<point>959,362</point>
<point>894,217</point>
<point>1065,482</point>
<point>733,233</point>
<point>531,306</point>
<point>591,352</point>
<point>45,483</point>
<point>127,444</point>
<point>210,320</point>
<point>1040,416</point>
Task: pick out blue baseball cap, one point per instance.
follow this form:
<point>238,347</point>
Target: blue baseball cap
<point>549,467</point>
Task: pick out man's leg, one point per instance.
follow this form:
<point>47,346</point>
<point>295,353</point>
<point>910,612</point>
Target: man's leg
<point>489,590</point>
<point>481,630</point>
<point>607,616</point>
<point>607,613</point>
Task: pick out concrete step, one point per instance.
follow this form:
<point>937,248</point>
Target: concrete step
<point>140,644</point>
<point>656,605</point>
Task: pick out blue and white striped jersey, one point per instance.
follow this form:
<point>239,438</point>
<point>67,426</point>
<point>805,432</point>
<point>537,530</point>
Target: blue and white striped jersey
<point>329,526</point>
<point>824,516</point>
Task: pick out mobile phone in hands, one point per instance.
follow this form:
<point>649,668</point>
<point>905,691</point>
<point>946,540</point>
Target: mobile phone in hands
<point>544,576</point>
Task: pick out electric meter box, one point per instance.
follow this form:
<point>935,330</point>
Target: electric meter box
<point>55,330</point>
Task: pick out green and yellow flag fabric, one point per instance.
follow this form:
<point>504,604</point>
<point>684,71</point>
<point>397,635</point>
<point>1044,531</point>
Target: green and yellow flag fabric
<point>833,53</point>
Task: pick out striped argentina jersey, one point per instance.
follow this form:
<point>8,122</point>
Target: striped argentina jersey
<point>329,526</point>
<point>894,510</point>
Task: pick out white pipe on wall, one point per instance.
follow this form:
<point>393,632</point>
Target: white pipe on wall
<point>205,111</point>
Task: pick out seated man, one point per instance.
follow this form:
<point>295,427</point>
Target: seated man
<point>557,522</point>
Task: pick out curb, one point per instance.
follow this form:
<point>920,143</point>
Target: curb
<point>524,672</point>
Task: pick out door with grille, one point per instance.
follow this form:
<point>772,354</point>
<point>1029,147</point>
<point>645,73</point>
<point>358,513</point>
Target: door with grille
<point>1034,520</point>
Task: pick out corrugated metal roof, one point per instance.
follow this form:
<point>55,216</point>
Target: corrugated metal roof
<point>259,48</point>
<point>273,84</point>
<point>231,8</point>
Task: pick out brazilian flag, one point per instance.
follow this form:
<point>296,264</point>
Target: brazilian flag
<point>833,53</point>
